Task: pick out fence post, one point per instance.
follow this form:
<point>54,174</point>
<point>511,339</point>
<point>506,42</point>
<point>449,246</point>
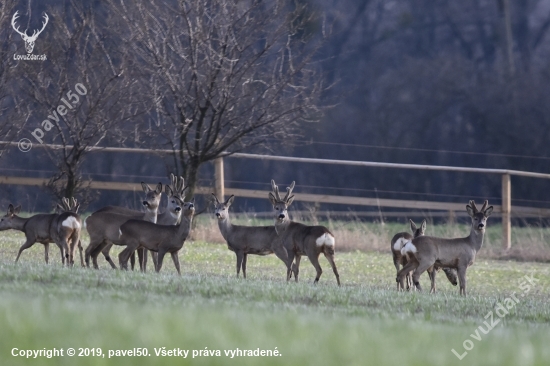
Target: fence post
<point>218,179</point>
<point>506,208</point>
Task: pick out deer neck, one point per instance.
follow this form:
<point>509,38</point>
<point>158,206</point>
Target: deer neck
<point>185,226</point>
<point>476,238</point>
<point>150,215</point>
<point>281,226</point>
<point>18,223</point>
<point>225,227</point>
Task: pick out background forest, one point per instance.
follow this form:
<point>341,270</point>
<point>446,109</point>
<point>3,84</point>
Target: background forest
<point>422,81</point>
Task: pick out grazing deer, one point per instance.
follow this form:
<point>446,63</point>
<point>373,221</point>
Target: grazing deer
<point>157,238</point>
<point>297,239</point>
<point>243,240</point>
<point>459,253</point>
<point>170,216</point>
<point>62,229</point>
<point>399,241</point>
<point>103,227</point>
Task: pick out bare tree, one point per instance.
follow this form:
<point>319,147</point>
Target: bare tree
<point>224,76</point>
<point>80,95</point>
<point>10,119</point>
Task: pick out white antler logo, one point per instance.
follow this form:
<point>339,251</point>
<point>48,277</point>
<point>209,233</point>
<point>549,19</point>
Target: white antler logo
<point>29,41</point>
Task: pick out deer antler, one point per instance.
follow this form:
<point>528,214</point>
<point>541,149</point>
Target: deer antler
<point>473,206</point>
<point>484,206</point>
<point>13,19</point>
<point>275,192</point>
<point>289,191</point>
<point>36,33</point>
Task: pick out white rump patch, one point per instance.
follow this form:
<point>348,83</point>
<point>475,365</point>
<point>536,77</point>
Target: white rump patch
<point>409,248</point>
<point>71,222</point>
<point>399,244</point>
<point>325,239</point>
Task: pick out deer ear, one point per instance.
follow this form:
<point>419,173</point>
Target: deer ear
<point>423,226</point>
<point>214,199</point>
<point>10,209</point>
<point>168,190</point>
<point>145,187</point>
<point>230,200</point>
<point>488,211</point>
<point>413,226</point>
<point>17,209</point>
<point>158,190</point>
<point>470,210</point>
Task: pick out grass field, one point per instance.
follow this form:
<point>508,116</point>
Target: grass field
<point>364,322</point>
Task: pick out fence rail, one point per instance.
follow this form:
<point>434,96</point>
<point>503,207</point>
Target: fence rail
<point>506,210</point>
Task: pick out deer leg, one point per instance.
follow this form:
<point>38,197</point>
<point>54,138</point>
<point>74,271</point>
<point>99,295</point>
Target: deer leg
<point>296,266</point>
<point>81,256</point>
<point>421,268</point>
<point>451,275</point>
<point>27,245</point>
<point>154,256</point>
<point>239,254</point>
<point>397,264</point>
<point>329,254</point>
<point>125,255</point>
<point>244,264</point>
<point>46,252</point>
<point>160,259</point>
<point>142,256</point>
<point>462,280</point>
<point>432,271</point>
<point>314,259</point>
<point>283,255</point>
<point>105,248</point>
<point>410,266</point>
<point>176,261</point>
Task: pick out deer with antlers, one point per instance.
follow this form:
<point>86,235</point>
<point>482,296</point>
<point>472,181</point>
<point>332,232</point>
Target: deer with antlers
<point>61,228</point>
<point>29,40</point>
<point>459,253</point>
<point>162,239</point>
<point>170,216</point>
<point>296,239</point>
<point>399,241</point>
<point>103,226</point>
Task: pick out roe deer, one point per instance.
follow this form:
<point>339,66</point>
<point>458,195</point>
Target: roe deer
<point>297,239</point>
<point>459,253</point>
<point>103,227</point>
<point>157,238</point>
<point>243,240</point>
<point>170,216</point>
<point>399,241</point>
<point>63,229</point>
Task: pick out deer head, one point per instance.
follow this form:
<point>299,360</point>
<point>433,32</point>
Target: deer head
<point>281,204</point>
<point>29,40</point>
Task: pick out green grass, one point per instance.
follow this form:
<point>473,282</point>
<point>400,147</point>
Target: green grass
<point>364,322</point>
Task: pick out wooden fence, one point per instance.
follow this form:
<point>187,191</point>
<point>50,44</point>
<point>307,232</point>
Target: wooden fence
<point>506,210</point>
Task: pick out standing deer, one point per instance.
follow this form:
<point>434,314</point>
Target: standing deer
<point>157,238</point>
<point>399,241</point>
<point>243,240</point>
<point>62,229</point>
<point>170,216</point>
<point>296,239</point>
<point>103,227</point>
<point>459,253</point>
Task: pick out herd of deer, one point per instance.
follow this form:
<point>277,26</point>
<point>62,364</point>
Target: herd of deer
<point>165,232</point>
